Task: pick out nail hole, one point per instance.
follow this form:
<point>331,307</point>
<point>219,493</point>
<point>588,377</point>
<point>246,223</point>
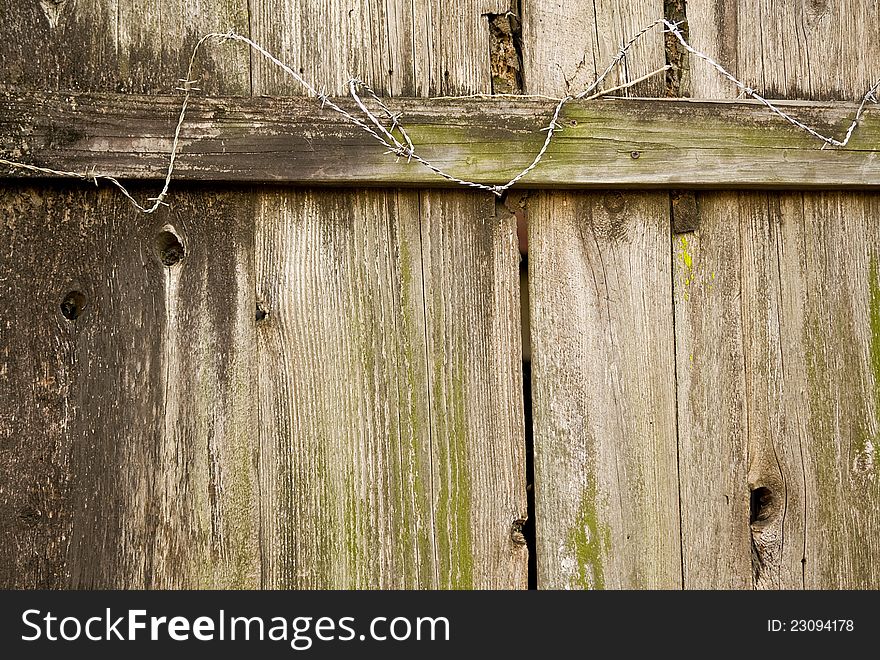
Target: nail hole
<point>761,505</point>
<point>262,313</point>
<point>72,305</point>
<point>573,123</point>
<point>169,248</point>
<point>635,154</point>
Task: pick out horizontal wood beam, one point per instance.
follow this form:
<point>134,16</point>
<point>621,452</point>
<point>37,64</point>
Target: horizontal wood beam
<point>605,143</point>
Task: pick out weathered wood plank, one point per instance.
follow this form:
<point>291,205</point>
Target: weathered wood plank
<point>133,463</point>
<point>606,486</point>
<point>128,463</point>
<point>711,402</point>
<point>840,341</point>
<point>61,509</point>
<point>470,259</point>
<point>387,460</point>
<point>604,411</point>
<point>344,412</point>
<point>416,47</point>
<point>677,142</point>
<point>567,45</point>
<point>130,46</point>
<point>207,499</point>
<point>775,302</point>
<point>810,49</point>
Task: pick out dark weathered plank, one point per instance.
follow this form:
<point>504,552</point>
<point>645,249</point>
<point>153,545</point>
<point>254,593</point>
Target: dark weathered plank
<point>776,306</point>
<point>132,461</point>
<point>633,142</point>
<point>62,506</point>
<point>129,46</point>
<point>127,461</point>
<point>606,486</point>
<point>390,403</point>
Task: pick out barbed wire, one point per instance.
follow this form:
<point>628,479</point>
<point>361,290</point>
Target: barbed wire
<point>748,91</point>
<point>403,147</point>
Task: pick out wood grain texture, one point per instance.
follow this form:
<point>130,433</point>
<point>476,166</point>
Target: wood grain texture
<point>678,143</point>
<point>404,48</point>
<point>130,462</point>
<point>380,451</point>
<point>207,500</point>
<point>567,44</point>
<point>711,402</point>
<point>604,413</point>
<point>370,473</point>
<point>606,485</point>
<point>142,472</point>
<point>391,433</point>
<point>808,49</point>
<point>129,46</point>
<point>60,496</point>
<point>346,435</point>
<point>470,263</point>
<point>774,309</point>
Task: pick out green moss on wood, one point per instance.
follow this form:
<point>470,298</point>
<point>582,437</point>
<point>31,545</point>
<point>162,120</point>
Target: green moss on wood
<point>462,499</point>
<point>687,262</point>
<point>353,542</point>
<point>241,505</point>
<point>328,528</point>
<point>453,523</point>
<point>589,540</point>
<point>823,438</point>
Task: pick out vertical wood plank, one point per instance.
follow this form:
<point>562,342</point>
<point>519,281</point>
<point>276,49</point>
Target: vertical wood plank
<point>205,506</point>
<point>470,259</point>
<point>345,458</point>
<point>60,465</point>
<point>606,480</point>
<point>566,45</point>
<point>712,402</point>
<point>811,49</point>
<point>140,472</point>
<point>143,472</point>
<point>402,464</point>
<point>604,411</point>
<point>404,48</point>
<point>784,282</point>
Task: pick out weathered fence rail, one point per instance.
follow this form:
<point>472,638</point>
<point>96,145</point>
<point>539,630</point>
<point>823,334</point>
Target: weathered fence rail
<point>651,142</point>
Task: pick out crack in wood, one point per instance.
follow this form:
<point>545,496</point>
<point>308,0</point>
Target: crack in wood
<point>505,51</point>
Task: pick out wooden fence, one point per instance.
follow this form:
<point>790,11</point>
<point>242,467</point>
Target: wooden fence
<point>307,371</point>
